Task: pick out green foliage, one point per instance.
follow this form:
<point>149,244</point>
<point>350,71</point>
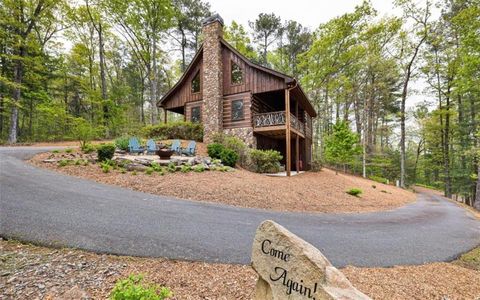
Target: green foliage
<point>105,152</point>
<point>316,165</point>
<point>172,168</point>
<point>214,150</point>
<point>378,179</point>
<point>88,148</point>
<point>228,157</point>
<point>156,167</point>
<point>84,132</point>
<point>55,151</point>
<point>354,192</point>
<point>185,168</point>
<point>122,143</point>
<point>233,143</point>
<point>265,161</point>
<point>237,36</point>
<point>68,150</point>
<point>106,166</point>
<point>149,171</point>
<point>199,168</point>
<point>175,130</point>
<point>63,162</point>
<point>134,288</point>
<point>342,145</point>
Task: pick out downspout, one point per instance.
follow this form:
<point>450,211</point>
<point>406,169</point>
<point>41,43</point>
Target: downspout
<point>287,128</point>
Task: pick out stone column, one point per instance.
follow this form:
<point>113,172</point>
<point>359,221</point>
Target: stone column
<point>212,77</point>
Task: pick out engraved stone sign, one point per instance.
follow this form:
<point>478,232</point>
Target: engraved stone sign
<point>290,268</point>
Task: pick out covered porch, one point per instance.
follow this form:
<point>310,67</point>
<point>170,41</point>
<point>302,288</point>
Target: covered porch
<point>282,121</point>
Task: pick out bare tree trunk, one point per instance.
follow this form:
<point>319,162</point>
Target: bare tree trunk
<point>477,193</point>
<point>18,78</point>
<point>153,82</point>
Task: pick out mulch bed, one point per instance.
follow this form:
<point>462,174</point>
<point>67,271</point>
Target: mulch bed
<point>309,192</point>
<point>32,272</point>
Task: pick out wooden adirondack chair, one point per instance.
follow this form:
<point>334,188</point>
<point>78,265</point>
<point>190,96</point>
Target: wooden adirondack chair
<point>176,146</point>
<point>190,150</point>
<point>134,146</point>
<point>151,147</point>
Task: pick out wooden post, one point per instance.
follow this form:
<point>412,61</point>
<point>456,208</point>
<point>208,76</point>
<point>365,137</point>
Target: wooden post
<point>165,119</point>
<point>287,132</point>
<point>297,143</point>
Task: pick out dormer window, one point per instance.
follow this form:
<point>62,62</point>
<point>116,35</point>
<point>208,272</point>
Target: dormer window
<point>196,83</point>
<point>237,74</point>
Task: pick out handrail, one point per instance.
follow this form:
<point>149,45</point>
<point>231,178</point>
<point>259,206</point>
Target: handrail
<point>276,118</point>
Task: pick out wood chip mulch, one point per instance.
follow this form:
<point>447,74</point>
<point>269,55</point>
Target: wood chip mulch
<point>32,272</point>
<point>309,192</point>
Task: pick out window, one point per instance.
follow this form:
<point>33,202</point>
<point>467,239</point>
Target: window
<point>237,110</point>
<point>196,83</point>
<point>196,116</point>
<point>237,74</point>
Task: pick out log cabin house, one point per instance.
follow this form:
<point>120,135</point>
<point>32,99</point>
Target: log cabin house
<point>228,93</point>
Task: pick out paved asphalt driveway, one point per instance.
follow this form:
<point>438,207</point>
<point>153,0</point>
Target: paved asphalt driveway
<point>48,208</point>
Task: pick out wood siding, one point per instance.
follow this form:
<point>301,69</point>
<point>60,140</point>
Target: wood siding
<point>247,112</point>
<point>184,94</point>
<point>254,80</point>
<point>188,110</point>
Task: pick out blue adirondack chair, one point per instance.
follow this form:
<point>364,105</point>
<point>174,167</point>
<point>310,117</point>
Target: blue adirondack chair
<point>190,150</point>
<point>134,146</point>
<point>176,146</point>
<point>151,147</point>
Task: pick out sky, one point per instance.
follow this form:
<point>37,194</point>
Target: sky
<point>310,14</point>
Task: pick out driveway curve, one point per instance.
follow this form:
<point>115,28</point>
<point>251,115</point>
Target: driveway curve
<point>48,208</point>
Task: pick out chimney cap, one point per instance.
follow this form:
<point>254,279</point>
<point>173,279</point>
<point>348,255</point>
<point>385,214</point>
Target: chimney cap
<point>212,18</point>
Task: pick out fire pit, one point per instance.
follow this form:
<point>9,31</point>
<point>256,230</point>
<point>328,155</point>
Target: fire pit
<point>165,153</point>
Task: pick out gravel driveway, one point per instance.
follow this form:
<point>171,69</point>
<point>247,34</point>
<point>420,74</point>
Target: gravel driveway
<point>48,208</point>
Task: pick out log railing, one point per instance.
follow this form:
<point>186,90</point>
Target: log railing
<point>277,118</point>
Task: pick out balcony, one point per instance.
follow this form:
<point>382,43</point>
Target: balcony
<point>275,121</point>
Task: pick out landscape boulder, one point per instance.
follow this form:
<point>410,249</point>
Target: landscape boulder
<point>290,268</point>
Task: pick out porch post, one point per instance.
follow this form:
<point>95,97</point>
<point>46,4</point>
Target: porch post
<point>287,132</point>
<point>165,119</point>
<point>297,142</point>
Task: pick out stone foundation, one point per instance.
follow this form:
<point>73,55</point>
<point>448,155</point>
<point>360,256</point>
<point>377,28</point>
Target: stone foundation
<point>245,134</point>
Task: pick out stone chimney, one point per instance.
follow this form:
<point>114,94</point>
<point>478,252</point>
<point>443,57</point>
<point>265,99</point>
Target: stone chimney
<point>212,77</point>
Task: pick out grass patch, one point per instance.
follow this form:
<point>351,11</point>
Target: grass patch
<point>470,259</point>
<point>354,192</point>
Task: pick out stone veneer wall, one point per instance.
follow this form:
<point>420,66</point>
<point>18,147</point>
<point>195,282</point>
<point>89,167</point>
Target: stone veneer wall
<point>212,79</point>
<point>245,134</point>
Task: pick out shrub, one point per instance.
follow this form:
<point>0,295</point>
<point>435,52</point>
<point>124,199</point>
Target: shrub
<point>354,192</point>
<point>106,166</point>
<point>156,167</point>
<point>214,150</point>
<point>171,167</point>
<point>235,144</point>
<point>175,130</point>
<point>199,168</point>
<point>378,179</point>
<point>133,288</point>
<point>84,132</point>
<point>105,152</point>
<point>265,161</point>
<point>68,150</point>
<point>63,162</point>
<point>186,168</point>
<point>316,165</point>
<point>55,151</point>
<point>88,148</point>
<point>122,143</point>
<point>149,171</point>
<point>78,162</point>
<point>229,157</point>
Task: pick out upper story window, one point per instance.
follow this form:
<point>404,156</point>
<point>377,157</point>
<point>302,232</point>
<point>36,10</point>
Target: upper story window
<point>196,83</point>
<point>196,116</point>
<point>237,110</point>
<point>237,74</point>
